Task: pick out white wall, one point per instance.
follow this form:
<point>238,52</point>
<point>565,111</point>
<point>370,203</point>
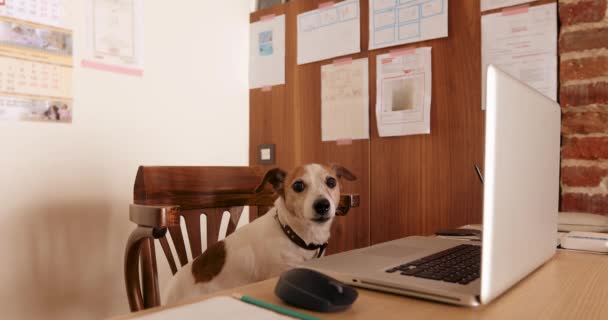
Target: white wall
<point>65,189</point>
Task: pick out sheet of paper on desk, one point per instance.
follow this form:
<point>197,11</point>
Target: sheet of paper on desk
<point>345,100</point>
<point>219,308</point>
<point>331,31</point>
<point>399,22</point>
<point>267,52</point>
<point>522,43</point>
<point>403,92</point>
<point>494,4</point>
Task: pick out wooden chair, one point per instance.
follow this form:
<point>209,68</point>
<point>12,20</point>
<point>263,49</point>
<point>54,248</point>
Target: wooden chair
<point>164,194</point>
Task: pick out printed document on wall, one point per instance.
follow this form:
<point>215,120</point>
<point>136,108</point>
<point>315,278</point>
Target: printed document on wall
<point>403,89</point>
<point>331,31</point>
<point>523,44</point>
<point>345,100</point>
<point>114,36</point>
<point>395,22</point>
<point>494,4</point>
<point>267,52</point>
<point>35,63</point>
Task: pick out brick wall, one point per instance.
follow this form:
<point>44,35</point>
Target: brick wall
<point>583,47</point>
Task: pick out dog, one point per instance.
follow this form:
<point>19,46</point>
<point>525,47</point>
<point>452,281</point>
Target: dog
<point>295,230</point>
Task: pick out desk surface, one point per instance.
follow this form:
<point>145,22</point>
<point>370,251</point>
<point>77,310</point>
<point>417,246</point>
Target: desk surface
<point>571,286</point>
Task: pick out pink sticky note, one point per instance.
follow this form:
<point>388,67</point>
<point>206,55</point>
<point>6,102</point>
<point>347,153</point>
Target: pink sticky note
<point>344,142</point>
<point>343,61</point>
<point>401,52</point>
<point>268,17</point>
<point>325,5</point>
<point>266,88</point>
<point>515,10</point>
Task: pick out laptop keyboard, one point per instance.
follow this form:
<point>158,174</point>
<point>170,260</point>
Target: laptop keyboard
<point>459,264</point>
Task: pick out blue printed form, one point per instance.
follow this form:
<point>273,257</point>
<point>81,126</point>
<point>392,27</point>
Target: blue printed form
<point>396,22</point>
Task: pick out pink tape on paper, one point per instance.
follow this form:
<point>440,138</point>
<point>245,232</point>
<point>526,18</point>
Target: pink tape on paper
<point>344,142</point>
<point>515,10</point>
<point>111,68</point>
<point>266,88</point>
<point>401,52</point>
<point>268,17</point>
<point>343,61</point>
<point>325,5</point>
<point>387,60</point>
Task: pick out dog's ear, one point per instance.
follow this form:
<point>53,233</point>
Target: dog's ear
<point>342,172</point>
<point>276,177</point>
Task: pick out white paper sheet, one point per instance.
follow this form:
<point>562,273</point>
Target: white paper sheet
<point>329,32</point>
<point>403,89</point>
<point>219,308</point>
<point>114,36</point>
<point>494,4</point>
<point>267,52</point>
<point>393,22</point>
<point>345,100</point>
<point>523,44</point>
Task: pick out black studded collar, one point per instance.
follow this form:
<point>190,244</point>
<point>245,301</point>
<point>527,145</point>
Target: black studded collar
<point>295,238</point>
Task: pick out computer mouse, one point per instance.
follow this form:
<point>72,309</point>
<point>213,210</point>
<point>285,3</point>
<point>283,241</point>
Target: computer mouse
<point>312,290</point>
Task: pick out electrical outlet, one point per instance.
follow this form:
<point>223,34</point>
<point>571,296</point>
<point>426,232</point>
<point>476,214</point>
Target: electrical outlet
<point>266,154</point>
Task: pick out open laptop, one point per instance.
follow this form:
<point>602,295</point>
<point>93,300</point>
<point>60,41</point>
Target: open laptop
<point>520,208</point>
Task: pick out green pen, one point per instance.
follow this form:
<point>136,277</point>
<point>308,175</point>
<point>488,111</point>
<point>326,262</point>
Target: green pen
<point>275,308</point>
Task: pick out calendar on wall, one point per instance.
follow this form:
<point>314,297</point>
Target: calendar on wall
<point>36,62</point>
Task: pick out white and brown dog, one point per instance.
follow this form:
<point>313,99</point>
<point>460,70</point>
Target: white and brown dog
<point>295,230</point>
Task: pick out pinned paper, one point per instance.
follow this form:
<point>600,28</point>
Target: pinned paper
<point>345,101</point>
<point>522,41</point>
<point>267,52</point>
<point>515,10</point>
<point>393,23</point>
<point>403,95</point>
<point>331,31</point>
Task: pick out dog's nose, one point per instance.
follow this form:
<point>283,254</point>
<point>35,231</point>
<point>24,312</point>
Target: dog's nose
<point>321,206</point>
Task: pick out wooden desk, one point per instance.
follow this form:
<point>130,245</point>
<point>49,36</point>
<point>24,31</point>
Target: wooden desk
<point>571,286</point>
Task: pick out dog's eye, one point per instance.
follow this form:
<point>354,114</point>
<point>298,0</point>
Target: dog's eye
<point>330,182</point>
<point>298,186</point>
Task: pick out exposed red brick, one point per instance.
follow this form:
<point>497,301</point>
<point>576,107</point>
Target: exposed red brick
<point>577,202</point>
<point>584,40</point>
<point>583,11</point>
<point>585,148</point>
<point>584,122</point>
<point>584,94</point>
<point>578,69</point>
<point>583,176</point>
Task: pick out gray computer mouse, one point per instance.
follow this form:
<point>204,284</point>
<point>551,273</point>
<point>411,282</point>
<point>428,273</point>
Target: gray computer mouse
<point>312,290</point>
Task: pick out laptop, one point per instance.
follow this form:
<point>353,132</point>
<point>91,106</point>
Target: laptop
<point>521,192</point>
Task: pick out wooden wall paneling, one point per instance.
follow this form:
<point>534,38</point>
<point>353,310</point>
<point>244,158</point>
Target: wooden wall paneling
<point>423,183</point>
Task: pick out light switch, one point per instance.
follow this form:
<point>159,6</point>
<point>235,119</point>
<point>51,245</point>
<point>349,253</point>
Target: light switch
<point>266,154</point>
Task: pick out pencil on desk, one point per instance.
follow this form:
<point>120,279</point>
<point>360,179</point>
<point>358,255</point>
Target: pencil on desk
<point>275,308</point>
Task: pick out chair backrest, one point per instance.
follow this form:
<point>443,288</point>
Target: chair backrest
<point>165,196</point>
